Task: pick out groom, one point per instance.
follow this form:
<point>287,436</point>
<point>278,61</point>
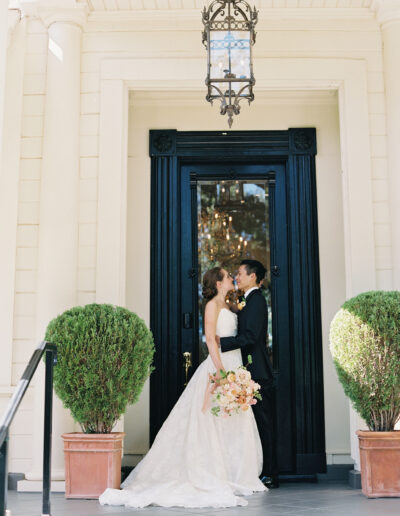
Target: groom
<point>251,339</point>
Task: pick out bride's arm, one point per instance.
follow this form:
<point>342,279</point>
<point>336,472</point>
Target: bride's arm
<point>210,327</point>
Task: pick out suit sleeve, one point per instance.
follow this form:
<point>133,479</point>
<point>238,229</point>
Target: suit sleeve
<point>254,323</point>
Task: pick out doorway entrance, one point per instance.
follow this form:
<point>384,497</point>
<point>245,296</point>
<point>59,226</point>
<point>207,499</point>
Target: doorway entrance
<point>218,198</point>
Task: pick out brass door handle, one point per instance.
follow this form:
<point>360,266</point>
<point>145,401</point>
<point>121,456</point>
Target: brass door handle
<point>187,363</point>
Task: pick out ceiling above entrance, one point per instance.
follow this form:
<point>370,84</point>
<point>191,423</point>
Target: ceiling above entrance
<point>180,11</point>
<point>123,5</point>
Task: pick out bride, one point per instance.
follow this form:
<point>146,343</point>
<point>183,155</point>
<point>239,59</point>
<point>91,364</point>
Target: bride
<point>198,459</point>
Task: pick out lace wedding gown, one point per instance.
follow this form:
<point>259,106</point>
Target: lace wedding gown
<point>198,459</point>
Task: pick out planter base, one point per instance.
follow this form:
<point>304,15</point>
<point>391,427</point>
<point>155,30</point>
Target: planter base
<point>355,479</point>
<point>92,463</point>
<point>380,463</point>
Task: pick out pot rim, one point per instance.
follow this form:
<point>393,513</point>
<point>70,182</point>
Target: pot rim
<point>81,435</point>
<point>369,434</point>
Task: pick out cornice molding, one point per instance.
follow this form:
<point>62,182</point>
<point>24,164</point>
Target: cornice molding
<point>14,17</point>
<point>273,19</point>
<point>270,18</point>
<point>76,15</point>
<point>387,11</point>
<point>146,98</point>
<point>51,11</point>
<point>265,14</point>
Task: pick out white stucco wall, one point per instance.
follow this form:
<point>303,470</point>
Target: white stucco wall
<point>327,39</point>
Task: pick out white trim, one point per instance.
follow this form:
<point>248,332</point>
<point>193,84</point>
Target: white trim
<point>265,14</point>
<point>9,176</point>
<point>387,11</point>
<point>142,22</point>
<point>357,187</point>
<point>76,15</point>
<point>262,98</point>
<point>14,17</point>
<point>112,194</point>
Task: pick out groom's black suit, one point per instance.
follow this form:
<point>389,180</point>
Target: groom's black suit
<point>251,339</point>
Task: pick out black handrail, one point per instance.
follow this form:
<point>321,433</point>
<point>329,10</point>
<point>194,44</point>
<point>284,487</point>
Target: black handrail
<point>51,357</point>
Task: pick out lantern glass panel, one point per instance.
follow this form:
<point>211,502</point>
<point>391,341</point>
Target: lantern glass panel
<point>229,53</point>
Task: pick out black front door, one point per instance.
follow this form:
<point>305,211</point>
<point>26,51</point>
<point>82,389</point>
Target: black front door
<point>219,198</point>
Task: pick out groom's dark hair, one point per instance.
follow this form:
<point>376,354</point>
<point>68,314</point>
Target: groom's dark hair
<point>256,267</point>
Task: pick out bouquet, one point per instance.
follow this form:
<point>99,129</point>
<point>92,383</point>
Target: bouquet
<point>234,391</point>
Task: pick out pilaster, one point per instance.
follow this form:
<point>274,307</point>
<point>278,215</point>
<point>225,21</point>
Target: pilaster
<point>388,15</point>
<point>6,297</point>
<point>11,87</point>
<point>59,207</point>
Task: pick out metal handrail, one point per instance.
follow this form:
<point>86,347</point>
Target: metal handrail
<point>15,401</point>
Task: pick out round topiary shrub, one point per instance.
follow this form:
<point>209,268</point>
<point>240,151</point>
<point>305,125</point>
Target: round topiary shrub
<point>104,355</point>
<point>365,345</point>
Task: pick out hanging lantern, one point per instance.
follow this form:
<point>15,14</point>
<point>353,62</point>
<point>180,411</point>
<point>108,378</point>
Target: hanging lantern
<point>228,37</point>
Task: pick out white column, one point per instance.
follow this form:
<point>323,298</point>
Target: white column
<point>388,15</point>
<point>59,208</point>
<point>3,60</point>
<point>9,72</point>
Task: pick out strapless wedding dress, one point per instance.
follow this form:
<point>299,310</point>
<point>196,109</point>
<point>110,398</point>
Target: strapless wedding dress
<point>198,459</point>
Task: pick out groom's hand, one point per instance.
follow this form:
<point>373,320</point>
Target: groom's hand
<point>218,341</point>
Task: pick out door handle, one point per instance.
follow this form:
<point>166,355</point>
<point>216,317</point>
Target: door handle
<point>187,364</point>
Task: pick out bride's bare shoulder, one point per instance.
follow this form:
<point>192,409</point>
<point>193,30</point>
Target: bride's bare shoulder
<point>211,311</point>
<point>210,317</point>
<point>211,306</point>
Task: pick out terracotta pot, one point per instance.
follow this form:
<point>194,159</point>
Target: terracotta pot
<point>380,463</point>
<point>92,463</point>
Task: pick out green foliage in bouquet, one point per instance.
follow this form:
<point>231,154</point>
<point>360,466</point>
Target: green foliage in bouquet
<point>105,354</point>
<point>365,345</point>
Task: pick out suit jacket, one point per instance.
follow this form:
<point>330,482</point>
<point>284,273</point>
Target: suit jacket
<point>252,335</point>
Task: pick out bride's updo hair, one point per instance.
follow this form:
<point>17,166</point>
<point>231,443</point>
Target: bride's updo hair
<point>210,279</point>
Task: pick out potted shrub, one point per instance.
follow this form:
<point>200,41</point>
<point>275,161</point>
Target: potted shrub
<point>365,345</point>
<point>104,356</point>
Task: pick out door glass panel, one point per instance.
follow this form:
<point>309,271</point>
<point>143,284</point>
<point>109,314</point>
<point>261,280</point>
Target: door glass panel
<point>233,224</point>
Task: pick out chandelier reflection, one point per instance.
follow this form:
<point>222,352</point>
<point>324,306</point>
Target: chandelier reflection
<point>228,37</point>
<point>221,239</point>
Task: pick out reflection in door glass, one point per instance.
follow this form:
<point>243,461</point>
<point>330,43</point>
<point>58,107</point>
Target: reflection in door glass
<point>233,224</point>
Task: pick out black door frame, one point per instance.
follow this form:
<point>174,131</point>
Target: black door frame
<point>296,148</point>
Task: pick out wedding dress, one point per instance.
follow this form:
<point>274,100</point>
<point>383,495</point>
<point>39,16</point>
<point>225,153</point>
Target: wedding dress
<point>198,459</point>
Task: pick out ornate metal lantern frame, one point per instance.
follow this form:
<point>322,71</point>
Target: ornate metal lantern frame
<point>229,33</point>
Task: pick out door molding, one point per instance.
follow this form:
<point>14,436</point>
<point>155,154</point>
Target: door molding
<point>296,148</point>
<point>121,74</point>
